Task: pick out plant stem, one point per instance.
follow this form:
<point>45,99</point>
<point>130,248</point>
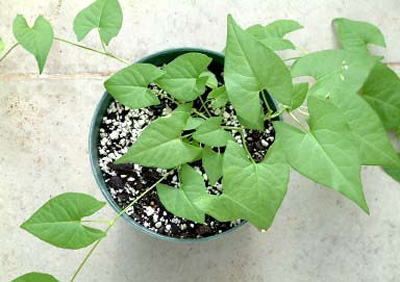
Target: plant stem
<point>245,146</point>
<point>91,49</point>
<point>233,128</point>
<point>269,110</point>
<point>205,107</point>
<point>298,121</point>
<point>167,97</point>
<point>111,224</point>
<point>292,58</point>
<point>8,52</point>
<point>278,113</point>
<point>301,112</point>
<point>199,113</point>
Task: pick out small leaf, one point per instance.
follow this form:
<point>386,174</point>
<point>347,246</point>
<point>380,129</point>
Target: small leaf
<point>182,201</point>
<point>381,91</point>
<point>355,35</point>
<point>210,133</point>
<point>251,67</point>
<point>327,153</point>
<point>183,78</point>
<point>160,144</point>
<point>393,172</point>
<point>299,94</point>
<point>253,192</point>
<point>193,123</point>
<point>212,163</point>
<point>220,96</point>
<point>129,85</point>
<point>58,222</point>
<point>272,34</point>
<point>339,67</point>
<point>36,40</point>
<point>212,81</point>
<point>103,15</point>
<point>2,45</point>
<point>35,277</point>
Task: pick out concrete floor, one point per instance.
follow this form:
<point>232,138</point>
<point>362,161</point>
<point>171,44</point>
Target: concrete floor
<point>317,235</point>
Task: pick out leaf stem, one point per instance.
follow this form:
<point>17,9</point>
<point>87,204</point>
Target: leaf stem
<point>205,107</point>
<point>92,49</point>
<point>301,112</point>
<point>233,128</point>
<point>291,58</point>
<point>298,121</point>
<point>245,146</point>
<point>8,52</point>
<point>269,110</point>
<point>111,224</point>
<point>199,113</point>
<point>274,115</point>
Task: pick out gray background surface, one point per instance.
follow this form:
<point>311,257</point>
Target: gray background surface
<point>317,235</point>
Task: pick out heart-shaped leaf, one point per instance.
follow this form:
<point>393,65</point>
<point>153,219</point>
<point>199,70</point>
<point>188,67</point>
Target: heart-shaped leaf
<point>161,145</point>
<point>35,277</point>
<point>129,86</point>
<point>272,34</point>
<point>183,78</point>
<point>58,222</point>
<point>251,67</point>
<point>182,201</point>
<point>211,133</point>
<point>36,40</point>
<point>251,191</point>
<point>327,153</point>
<point>212,163</point>
<point>103,15</point>
<point>381,91</point>
<point>220,97</point>
<point>355,35</point>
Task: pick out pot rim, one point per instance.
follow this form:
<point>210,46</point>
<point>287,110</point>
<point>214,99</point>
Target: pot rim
<point>93,152</point>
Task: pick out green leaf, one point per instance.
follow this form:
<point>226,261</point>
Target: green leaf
<point>193,123</point>
<point>212,163</point>
<point>220,96</point>
<point>160,144</point>
<point>212,81</point>
<point>183,78</point>
<point>369,134</point>
<point>272,34</point>
<point>249,68</point>
<point>299,94</point>
<point>58,222</point>
<point>251,191</point>
<point>35,277</point>
<point>210,133</point>
<point>355,35</point>
<point>129,85</point>
<point>103,15</point>
<point>2,45</point>
<point>339,67</point>
<point>182,201</point>
<point>327,153</point>
<point>382,92</point>
<point>393,172</point>
<point>36,40</point>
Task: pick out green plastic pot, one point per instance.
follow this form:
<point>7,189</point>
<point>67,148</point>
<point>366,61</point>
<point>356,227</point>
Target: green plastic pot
<point>157,59</point>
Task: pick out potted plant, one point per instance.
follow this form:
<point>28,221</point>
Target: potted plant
<point>188,144</point>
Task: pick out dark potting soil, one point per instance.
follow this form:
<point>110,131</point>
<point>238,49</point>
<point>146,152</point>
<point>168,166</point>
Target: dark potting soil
<point>120,127</point>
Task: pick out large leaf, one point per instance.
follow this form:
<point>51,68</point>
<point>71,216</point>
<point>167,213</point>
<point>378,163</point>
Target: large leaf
<point>369,134</point>
<point>182,201</point>
<point>355,35</point>
<point>36,40</point>
<point>327,153</point>
<point>220,97</point>
<point>251,191</point>
<point>212,163</point>
<point>35,277</point>
<point>211,133</point>
<point>183,78</point>
<point>272,34</point>
<point>382,92</point>
<point>129,85</point>
<point>58,222</point>
<point>249,68</point>
<point>103,15</point>
<point>339,67</point>
<point>160,144</point>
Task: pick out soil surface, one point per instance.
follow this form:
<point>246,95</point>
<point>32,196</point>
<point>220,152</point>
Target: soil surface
<point>120,127</point>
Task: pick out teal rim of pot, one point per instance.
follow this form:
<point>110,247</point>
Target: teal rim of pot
<point>158,59</point>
